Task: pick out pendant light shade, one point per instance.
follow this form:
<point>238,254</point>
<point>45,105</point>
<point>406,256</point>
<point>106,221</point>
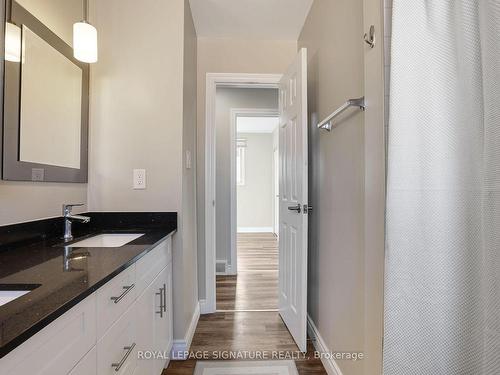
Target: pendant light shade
<point>85,42</point>
<point>12,42</point>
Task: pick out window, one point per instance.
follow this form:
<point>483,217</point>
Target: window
<point>241,145</point>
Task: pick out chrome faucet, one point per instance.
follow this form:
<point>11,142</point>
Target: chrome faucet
<point>68,219</point>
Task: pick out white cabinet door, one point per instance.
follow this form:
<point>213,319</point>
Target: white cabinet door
<point>154,314</point>
<point>163,326</point>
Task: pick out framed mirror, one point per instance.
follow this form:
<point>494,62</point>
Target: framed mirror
<point>45,112</point>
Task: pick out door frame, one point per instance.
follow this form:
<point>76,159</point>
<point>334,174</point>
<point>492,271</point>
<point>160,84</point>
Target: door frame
<point>214,80</point>
<point>235,113</point>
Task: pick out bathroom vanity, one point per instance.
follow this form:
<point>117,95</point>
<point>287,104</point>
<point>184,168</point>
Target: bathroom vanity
<point>94,305</point>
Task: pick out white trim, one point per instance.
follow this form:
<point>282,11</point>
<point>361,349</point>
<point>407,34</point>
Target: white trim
<point>234,113</point>
<point>203,307</point>
<point>180,348</point>
<point>214,80</point>
<point>224,262</point>
<point>331,367</point>
<point>255,230</point>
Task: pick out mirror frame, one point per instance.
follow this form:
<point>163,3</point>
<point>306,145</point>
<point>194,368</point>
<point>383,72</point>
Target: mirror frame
<point>12,168</point>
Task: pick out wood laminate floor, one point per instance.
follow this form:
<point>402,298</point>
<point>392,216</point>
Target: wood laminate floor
<point>256,285</point>
<point>248,333</point>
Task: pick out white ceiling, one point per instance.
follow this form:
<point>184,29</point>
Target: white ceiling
<point>250,19</point>
<point>256,124</point>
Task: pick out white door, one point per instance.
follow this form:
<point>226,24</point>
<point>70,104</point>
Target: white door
<point>276,198</point>
<point>293,199</point>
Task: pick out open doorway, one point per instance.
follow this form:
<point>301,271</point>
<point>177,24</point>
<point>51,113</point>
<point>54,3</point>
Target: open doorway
<point>290,93</point>
<point>247,254</point>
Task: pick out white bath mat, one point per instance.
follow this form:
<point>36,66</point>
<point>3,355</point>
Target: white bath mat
<point>245,368</point>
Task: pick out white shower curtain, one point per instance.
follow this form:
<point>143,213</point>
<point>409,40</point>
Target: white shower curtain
<point>442,281</point>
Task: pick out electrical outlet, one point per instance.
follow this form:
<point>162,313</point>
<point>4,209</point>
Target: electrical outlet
<point>37,174</point>
<point>139,179</point>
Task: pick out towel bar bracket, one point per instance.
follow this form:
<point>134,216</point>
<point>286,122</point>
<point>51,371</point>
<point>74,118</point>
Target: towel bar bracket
<point>327,122</point>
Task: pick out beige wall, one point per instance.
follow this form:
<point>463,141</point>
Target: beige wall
<point>229,56</point>
<point>186,281</point>
<point>256,197</point>
<point>339,257</point>
<point>226,99</point>
<point>25,201</point>
<point>57,15</point>
<point>136,105</point>
<point>142,106</point>
<point>336,282</point>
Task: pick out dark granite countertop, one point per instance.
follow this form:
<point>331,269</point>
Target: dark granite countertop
<point>33,254</point>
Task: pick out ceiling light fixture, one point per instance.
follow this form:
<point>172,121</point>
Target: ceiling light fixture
<point>85,39</point>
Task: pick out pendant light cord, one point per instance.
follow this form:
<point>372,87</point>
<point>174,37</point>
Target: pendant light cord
<point>85,6</point>
<point>9,11</point>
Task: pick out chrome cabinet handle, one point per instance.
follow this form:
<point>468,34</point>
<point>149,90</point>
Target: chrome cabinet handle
<point>161,294</point>
<point>295,208</point>
<point>120,297</point>
<point>164,298</point>
<point>119,365</point>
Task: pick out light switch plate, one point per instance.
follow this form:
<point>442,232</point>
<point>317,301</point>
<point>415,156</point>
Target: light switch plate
<point>188,159</point>
<point>139,179</point>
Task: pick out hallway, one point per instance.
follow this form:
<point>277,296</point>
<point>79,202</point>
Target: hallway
<point>256,285</point>
<point>255,288</point>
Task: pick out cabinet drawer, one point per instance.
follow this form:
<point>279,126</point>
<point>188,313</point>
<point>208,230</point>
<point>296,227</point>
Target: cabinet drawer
<point>57,348</point>
<point>88,364</point>
<point>114,298</point>
<point>150,265</point>
<point>117,350</point>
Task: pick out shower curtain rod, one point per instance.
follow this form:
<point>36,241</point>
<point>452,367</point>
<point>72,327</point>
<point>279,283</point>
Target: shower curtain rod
<point>327,122</point>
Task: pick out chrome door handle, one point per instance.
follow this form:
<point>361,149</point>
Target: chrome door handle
<point>120,297</point>
<point>119,365</point>
<point>160,293</point>
<point>295,208</point>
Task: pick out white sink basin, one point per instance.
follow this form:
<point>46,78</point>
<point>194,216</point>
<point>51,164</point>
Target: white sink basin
<point>10,295</point>
<point>107,240</point>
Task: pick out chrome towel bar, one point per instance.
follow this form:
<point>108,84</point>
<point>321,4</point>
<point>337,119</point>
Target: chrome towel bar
<point>327,122</point>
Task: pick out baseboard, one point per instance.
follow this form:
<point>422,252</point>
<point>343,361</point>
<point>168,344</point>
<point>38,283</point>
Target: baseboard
<point>331,367</point>
<point>180,348</point>
<point>229,270</point>
<point>255,230</point>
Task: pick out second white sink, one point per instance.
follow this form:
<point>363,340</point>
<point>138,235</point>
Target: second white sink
<point>107,240</point>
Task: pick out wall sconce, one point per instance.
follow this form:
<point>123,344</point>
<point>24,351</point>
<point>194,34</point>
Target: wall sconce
<point>85,39</point>
<point>12,37</point>
<point>12,42</point>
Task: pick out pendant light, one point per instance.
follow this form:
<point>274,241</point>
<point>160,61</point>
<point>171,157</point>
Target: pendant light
<point>12,39</point>
<point>85,39</point>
